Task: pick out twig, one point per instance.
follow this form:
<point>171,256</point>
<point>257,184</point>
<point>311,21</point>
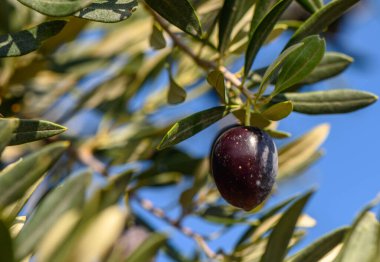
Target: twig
<point>148,206</point>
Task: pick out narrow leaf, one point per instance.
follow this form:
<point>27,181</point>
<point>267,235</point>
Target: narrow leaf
<point>311,5</point>
<point>68,196</point>
<point>6,130</point>
<point>262,7</point>
<point>328,102</point>
<point>193,124</point>
<point>14,182</point>
<point>261,33</point>
<point>32,130</point>
<point>300,63</point>
<point>56,8</point>
<point>216,80</point>
<point>180,13</point>
<point>277,134</point>
<point>321,19</point>
<point>6,246</point>
<point>108,11</point>
<point>278,111</point>
<point>318,249</point>
<point>24,42</point>
<point>282,233</point>
<point>148,249</point>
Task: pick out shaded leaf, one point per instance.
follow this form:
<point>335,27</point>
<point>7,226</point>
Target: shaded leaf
<point>311,5</point>
<point>216,80</point>
<point>32,130</point>
<point>108,11</point>
<point>300,63</point>
<point>328,102</point>
<point>283,231</point>
<point>180,13</point>
<point>6,246</point>
<point>68,196</point>
<point>256,119</point>
<point>278,111</point>
<point>318,249</point>
<point>193,124</point>
<point>148,249</point>
<point>6,130</point>
<point>262,7</point>
<point>56,8</point>
<point>157,40</point>
<point>262,31</point>
<point>26,41</point>
<point>176,93</point>
<point>14,182</point>
<point>322,19</point>
<point>294,155</point>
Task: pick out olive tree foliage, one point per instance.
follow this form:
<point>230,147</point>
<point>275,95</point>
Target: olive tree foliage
<point>195,43</point>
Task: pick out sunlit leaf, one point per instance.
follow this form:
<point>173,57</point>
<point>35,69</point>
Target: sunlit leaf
<point>193,124</point>
<point>328,102</point>
<point>216,80</point>
<point>277,133</point>
<point>24,42</point>
<point>278,111</point>
<point>56,8</point>
<point>311,5</point>
<point>15,182</point>
<point>148,249</point>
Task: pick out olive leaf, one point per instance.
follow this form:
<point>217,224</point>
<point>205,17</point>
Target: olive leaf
<point>56,7</point>
<point>278,111</point>
<point>216,79</point>
<point>26,41</point>
<point>328,102</point>
<point>148,249</point>
<point>311,5</point>
<point>6,245</point>
<point>6,131</point>
<point>193,124</point>
<point>176,93</point>
<point>157,40</point>
<point>277,133</point>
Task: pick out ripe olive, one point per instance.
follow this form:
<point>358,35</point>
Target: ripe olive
<point>244,165</point>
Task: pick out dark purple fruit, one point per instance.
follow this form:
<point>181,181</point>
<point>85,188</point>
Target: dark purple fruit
<point>244,165</point>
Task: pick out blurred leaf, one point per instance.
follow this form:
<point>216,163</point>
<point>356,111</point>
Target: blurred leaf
<point>230,14</point>
<point>15,182</point>
<point>162,179</point>
<point>56,8</point>
<point>176,93</point>
<point>6,247</point>
<point>108,11</point>
<point>275,67</point>
<point>318,249</point>
<point>193,124</point>
<point>300,63</point>
<point>277,134</point>
<point>294,155</point>
<point>180,13</point>
<point>262,31</point>
<point>148,249</point>
<point>24,42</point>
<point>157,40</point>
<point>332,64</point>
<point>311,6</point>
<point>216,79</point>
<point>321,19</point>
<point>278,111</point>
<point>277,30</point>
<point>56,235</point>
<point>32,130</point>
<point>222,214</point>
<point>279,238</point>
<point>328,102</point>
<point>94,241</point>
<point>6,130</point>
<point>68,196</point>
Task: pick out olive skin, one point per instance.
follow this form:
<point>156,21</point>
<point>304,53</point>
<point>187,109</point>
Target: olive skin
<point>244,164</point>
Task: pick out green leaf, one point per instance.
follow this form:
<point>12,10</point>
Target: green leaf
<point>311,5</point>
<point>148,249</point>
<point>108,11</point>
<point>261,33</point>
<point>362,242</point>
<point>278,134</point>
<point>56,7</point>
<point>216,80</point>
<point>176,93</point>
<point>332,64</point>
<point>293,156</point>
<point>322,19</point>
<point>282,233</point>
<point>300,63</point>
<point>68,196</point>
<point>180,13</point>
<point>26,41</point>
<point>318,249</point>
<point>6,130</point>
<point>275,67</point>
<point>278,111</point>
<point>256,119</point>
<point>229,16</point>
<point>261,9</point>
<point>32,130</point>
<point>328,102</point>
<point>193,124</point>
<point>157,40</point>
<point>14,182</point>
<point>6,246</point>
